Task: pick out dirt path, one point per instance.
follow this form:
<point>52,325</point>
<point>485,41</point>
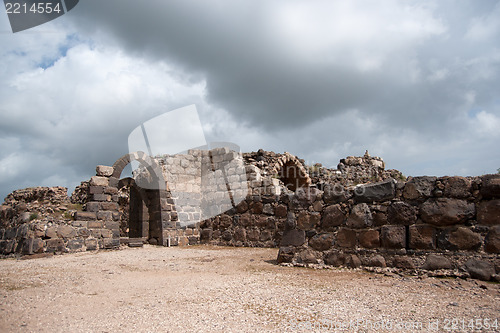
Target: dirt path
<point>211,289</point>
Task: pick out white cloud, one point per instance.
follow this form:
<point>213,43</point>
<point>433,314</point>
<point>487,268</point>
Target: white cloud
<point>319,79</point>
<point>486,27</point>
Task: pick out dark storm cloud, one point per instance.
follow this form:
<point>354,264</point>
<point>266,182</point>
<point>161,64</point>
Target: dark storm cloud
<point>256,70</point>
<point>415,82</point>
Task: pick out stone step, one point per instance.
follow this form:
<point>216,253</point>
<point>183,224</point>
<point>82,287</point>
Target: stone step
<point>132,242</point>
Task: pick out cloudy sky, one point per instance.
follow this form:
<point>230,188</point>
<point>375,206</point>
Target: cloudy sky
<point>415,82</point>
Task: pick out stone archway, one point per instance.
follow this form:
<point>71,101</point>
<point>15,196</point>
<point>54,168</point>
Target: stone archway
<point>151,209</point>
<point>291,172</point>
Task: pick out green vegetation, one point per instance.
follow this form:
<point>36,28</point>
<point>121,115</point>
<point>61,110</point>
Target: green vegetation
<point>67,215</point>
<point>33,216</point>
<point>77,207</point>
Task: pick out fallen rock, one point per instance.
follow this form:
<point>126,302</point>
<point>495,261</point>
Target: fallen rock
<point>434,262</point>
<point>479,269</point>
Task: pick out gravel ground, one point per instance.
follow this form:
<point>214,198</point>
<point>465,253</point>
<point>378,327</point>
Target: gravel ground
<point>218,289</point>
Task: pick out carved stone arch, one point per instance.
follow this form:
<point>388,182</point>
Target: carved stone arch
<point>146,161</point>
<point>292,173</point>
<point>146,213</point>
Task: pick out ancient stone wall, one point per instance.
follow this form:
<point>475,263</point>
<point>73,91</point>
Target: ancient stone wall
<point>441,226</point>
<point>43,219</point>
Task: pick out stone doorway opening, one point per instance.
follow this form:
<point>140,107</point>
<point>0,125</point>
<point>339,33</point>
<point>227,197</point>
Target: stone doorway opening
<point>144,220</point>
<point>293,175</point>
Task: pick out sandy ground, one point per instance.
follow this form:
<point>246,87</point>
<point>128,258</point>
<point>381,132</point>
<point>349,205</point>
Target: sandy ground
<point>214,289</point>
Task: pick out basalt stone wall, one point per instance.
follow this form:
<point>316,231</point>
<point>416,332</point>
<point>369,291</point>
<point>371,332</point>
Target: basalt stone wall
<point>44,219</point>
<point>446,225</point>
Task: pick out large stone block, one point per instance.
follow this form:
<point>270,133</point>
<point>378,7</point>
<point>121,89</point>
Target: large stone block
<point>352,261</point>
<point>333,216</point>
<point>322,242</point>
<point>281,211</point>
<point>105,215</point>
<point>111,243</point>
<point>293,238</point>
<point>380,191</point>
<point>226,236</point>
<point>403,262</point>
<point>459,239</point>
<point>479,269</point>
<point>360,217</point>
<point>254,234</point>
<point>369,239</point>
<point>51,232</point>
<point>83,232</point>
<point>490,187</point>
<point>240,235</point>
<point>377,261</point>
<point>105,171</point>
<point>346,238</point>
<point>55,245</point>
<point>456,187</point>
<point>445,212</point>
<point>334,194</point>
<point>242,207</point>
<point>37,246</point>
<point>106,233</point>
<point>308,256</point>
<point>101,197</point>
<point>419,188</point>
<point>492,242</point>
<point>66,231</point>
<point>85,216</point>
<point>488,212</point>
<point>286,254</point>
<point>109,206</point>
<point>266,235</point>
<point>206,235</point>
<point>32,245</point>
<point>335,258</point>
<point>307,221</point>
<point>95,224</point>
<point>91,244</point>
<point>401,213</point>
<point>99,181</point>
<point>304,197</point>
<point>76,245</point>
<point>422,237</point>
<point>92,206</point>
<point>393,236</point>
<point>257,207</point>
<point>96,189</point>
<point>435,261</point>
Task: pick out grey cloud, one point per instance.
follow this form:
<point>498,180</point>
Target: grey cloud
<point>252,73</point>
<point>410,92</point>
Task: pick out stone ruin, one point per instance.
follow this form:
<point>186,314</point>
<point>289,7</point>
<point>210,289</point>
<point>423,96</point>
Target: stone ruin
<point>357,215</point>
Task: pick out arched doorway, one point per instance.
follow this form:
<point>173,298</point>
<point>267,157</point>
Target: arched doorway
<point>292,173</point>
<point>150,204</point>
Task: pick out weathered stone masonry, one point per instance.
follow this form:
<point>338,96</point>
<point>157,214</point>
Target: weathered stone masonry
<point>357,215</point>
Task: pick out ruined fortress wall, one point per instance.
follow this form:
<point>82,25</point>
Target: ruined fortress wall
<point>446,225</point>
